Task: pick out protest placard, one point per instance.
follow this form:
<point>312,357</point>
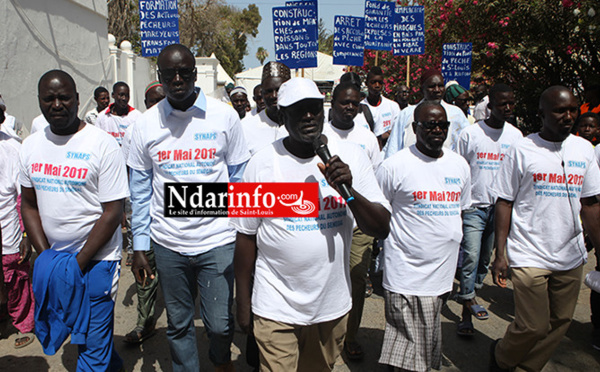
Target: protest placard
<point>159,25</point>
<point>409,30</point>
<point>348,40</point>
<point>379,25</point>
<point>456,63</point>
<point>295,46</point>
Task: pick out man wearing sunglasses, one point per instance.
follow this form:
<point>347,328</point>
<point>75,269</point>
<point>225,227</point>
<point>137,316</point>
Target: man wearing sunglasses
<point>428,188</point>
<point>189,252</point>
<point>432,88</point>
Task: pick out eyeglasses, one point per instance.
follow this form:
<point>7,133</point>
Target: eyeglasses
<point>185,74</point>
<point>430,125</point>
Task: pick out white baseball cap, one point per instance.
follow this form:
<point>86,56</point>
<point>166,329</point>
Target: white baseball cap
<point>297,89</point>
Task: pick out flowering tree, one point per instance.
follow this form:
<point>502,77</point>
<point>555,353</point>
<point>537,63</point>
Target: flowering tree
<point>529,44</point>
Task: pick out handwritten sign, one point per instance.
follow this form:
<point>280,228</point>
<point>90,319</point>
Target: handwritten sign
<point>311,4</point>
<point>379,25</point>
<point>159,25</point>
<point>295,46</point>
<point>348,41</point>
<point>456,63</point>
<point>409,30</point>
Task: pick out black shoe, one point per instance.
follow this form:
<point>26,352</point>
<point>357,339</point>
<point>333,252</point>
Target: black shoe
<point>494,367</point>
<point>596,338</point>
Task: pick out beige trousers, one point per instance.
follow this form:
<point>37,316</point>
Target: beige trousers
<point>289,347</point>
<point>544,304</point>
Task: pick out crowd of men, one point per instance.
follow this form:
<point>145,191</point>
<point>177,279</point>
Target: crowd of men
<point>436,189</point>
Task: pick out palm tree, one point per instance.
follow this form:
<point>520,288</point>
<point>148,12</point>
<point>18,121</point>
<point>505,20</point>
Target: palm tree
<point>261,54</point>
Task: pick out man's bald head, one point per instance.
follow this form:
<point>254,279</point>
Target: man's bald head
<point>558,110</point>
<point>550,95</point>
<point>425,107</point>
<point>173,49</point>
<point>59,102</point>
<point>57,74</point>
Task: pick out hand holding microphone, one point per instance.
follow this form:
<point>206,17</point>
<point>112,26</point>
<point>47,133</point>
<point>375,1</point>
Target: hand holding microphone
<point>334,169</point>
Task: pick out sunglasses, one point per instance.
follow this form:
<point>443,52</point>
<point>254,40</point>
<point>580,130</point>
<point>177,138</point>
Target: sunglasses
<point>430,125</point>
<point>185,74</point>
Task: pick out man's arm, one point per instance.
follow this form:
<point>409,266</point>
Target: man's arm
<point>590,216</point>
<point>243,263</point>
<point>502,217</point>
<point>372,218</point>
<point>102,231</point>
<point>140,184</point>
<point>32,220</point>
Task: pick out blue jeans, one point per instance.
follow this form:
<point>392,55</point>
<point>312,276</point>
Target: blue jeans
<point>179,277</point>
<point>477,245</point>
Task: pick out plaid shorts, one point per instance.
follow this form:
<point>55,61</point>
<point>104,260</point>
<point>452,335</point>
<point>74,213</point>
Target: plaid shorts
<point>413,332</point>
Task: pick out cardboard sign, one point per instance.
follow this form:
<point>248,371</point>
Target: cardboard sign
<point>348,41</point>
<point>159,25</point>
<point>456,63</point>
<point>409,30</point>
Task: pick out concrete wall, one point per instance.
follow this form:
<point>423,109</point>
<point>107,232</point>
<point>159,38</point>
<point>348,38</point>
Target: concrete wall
<point>38,36</point>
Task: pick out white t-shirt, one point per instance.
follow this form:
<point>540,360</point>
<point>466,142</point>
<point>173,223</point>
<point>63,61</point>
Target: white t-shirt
<point>359,120</point>
<point>302,265</point>
<point>427,197</point>
<point>456,117</point>
<point>385,115</point>
<point>9,190</point>
<point>481,110</point>
<point>360,136</point>
<point>483,147</point>
<point>116,125</point>
<point>545,230</point>
<point>38,123</point>
<point>91,116</point>
<point>597,151</point>
<point>72,176</point>
<point>260,131</point>
<point>195,145</point>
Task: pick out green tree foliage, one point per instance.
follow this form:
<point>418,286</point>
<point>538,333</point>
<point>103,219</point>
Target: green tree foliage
<point>262,54</point>
<point>529,44</point>
<point>205,26</point>
<point>325,39</point>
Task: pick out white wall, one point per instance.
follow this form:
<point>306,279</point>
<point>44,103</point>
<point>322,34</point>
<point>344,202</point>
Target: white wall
<point>40,35</point>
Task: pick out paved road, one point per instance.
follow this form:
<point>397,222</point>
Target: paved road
<point>471,355</point>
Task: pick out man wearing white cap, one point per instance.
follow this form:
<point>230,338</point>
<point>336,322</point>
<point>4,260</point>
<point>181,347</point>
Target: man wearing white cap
<point>239,100</point>
<point>301,293</point>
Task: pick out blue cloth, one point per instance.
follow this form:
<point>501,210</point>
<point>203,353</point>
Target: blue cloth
<point>62,304</point>
<point>98,353</point>
<point>199,103</point>
<point>140,186</point>
<point>179,278</point>
<point>476,249</point>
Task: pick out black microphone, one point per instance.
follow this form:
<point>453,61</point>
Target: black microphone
<point>323,152</point>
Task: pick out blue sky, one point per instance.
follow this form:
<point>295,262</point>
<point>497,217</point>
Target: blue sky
<point>327,10</point>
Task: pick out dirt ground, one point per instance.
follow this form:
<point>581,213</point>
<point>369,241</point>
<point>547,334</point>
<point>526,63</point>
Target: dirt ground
<point>470,355</point>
